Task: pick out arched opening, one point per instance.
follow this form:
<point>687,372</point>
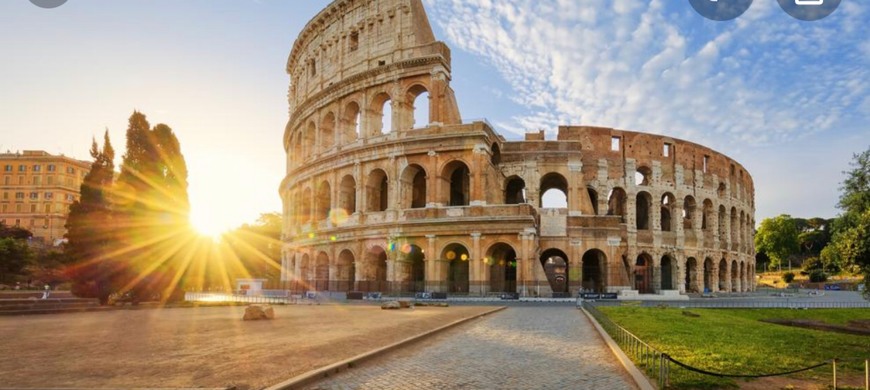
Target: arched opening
<point>345,272</point>
<point>707,215</point>
<point>554,191</point>
<point>689,207</point>
<point>305,273</point>
<point>305,206</point>
<point>723,232</point>
<point>616,201</point>
<point>594,263</point>
<point>347,195</point>
<point>374,270</point>
<point>709,275</point>
<point>735,277</point>
<point>420,96</point>
<point>323,201</point>
<point>382,110</point>
<point>458,183</point>
<point>351,123</point>
<point>377,191</point>
<point>668,271</point>
<point>327,132</point>
<point>414,187</point>
<point>721,190</point>
<point>515,191</point>
<point>457,258</point>
<point>502,261</point>
<point>642,206</point>
<point>416,268</point>
<point>298,154</point>
<point>742,232</point>
<point>555,263</point>
<point>495,159</point>
<point>643,270</point>
<point>692,275</point>
<point>735,228</point>
<point>742,277</point>
<point>321,272</point>
<point>642,176</point>
<point>593,197</point>
<point>667,207</point>
<point>723,275</point>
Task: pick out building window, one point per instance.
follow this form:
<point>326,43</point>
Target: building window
<point>37,180</point>
<point>18,208</point>
<point>354,41</point>
<point>666,151</point>
<point>5,195</point>
<point>5,208</point>
<point>6,180</point>
<point>49,195</point>
<point>614,144</point>
<point>8,168</point>
<point>21,180</point>
<point>50,180</point>
<point>37,168</point>
<point>17,222</point>
<point>45,223</point>
<point>51,167</point>
<point>69,197</point>
<point>70,170</point>
<point>19,195</point>
<point>33,209</point>
<point>34,195</point>
<point>22,168</point>
<point>706,162</point>
<point>48,208</point>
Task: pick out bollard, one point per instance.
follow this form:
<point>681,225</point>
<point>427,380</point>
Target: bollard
<point>867,374</point>
<point>834,365</point>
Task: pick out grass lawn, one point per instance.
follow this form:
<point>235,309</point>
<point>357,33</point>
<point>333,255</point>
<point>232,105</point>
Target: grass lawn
<point>734,341</point>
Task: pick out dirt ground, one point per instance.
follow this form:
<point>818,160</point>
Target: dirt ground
<point>199,347</point>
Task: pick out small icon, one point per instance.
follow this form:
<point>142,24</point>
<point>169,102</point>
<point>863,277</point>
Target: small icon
<point>720,10</point>
<point>809,2</point>
<point>809,10</point>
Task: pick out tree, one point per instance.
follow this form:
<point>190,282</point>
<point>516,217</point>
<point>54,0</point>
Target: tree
<point>90,227</point>
<point>851,241</point>
<point>777,237</point>
<point>15,255</point>
<point>15,232</point>
<point>258,246</point>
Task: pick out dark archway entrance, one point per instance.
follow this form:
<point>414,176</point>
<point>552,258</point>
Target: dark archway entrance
<point>416,280</point>
<point>594,262</point>
<point>503,268</point>
<point>643,274</point>
<point>668,273</point>
<point>457,271</point>
<point>555,263</point>
<point>692,275</point>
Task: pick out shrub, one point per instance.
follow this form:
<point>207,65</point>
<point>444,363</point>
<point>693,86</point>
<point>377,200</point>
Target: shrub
<point>788,277</point>
<point>818,276</point>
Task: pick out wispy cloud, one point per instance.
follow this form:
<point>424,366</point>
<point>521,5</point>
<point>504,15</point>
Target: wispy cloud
<point>656,66</point>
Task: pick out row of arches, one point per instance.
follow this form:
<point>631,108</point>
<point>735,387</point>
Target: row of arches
<point>355,121</point>
<point>643,176</point>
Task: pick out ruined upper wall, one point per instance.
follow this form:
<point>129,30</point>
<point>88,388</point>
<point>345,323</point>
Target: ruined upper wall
<point>350,37</point>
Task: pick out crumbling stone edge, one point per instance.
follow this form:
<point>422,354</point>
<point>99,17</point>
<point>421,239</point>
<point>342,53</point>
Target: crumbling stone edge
<point>640,379</point>
<point>309,377</point>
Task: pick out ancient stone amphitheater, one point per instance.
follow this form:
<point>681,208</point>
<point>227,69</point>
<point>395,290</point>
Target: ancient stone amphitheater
<point>375,200</point>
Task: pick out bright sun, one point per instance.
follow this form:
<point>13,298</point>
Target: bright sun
<point>207,225</point>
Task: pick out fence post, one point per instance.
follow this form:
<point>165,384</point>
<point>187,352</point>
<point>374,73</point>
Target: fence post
<point>866,374</point>
<point>834,365</point>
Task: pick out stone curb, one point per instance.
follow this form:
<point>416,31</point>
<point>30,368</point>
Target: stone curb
<point>639,378</point>
<point>332,369</point>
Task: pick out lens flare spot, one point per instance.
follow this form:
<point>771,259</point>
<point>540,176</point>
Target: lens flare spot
<point>310,235</point>
<point>333,238</point>
<point>451,255</point>
<point>464,257</point>
<point>338,216</point>
<point>406,249</point>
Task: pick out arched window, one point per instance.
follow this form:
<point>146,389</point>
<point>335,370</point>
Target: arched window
<point>689,207</point>
<point>323,201</point>
<point>616,202</point>
<point>643,176</point>
<point>351,123</point>
<point>414,187</point>
<point>308,140</point>
<point>554,191</point>
<point>347,194</point>
<point>515,191</point>
<point>495,159</point>
<point>667,208</point>
<point>644,201</point>
<point>458,187</point>
<point>305,206</point>
<point>420,96</point>
<point>377,191</point>
<point>382,108</point>
<point>327,132</point>
<point>593,198</point>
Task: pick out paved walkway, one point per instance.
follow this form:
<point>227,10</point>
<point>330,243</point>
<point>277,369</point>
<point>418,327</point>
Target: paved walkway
<point>517,348</point>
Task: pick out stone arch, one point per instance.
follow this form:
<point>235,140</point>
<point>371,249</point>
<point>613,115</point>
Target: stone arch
<point>723,233</point>
<point>351,123</point>
<point>458,259</point>
<point>710,280</point>
<point>305,206</point>
<point>643,273</point>
<point>308,139</point>
<point>692,282</point>
<point>669,272</point>
<point>555,264</point>
<point>616,202</point>
<point>667,216</point>
<point>720,190</point>
<point>643,176</point>
<point>495,158</point>
<point>723,275</point>
<point>420,99</point>
<point>347,194</point>
<point>305,276</point>
<point>456,190</point>
<point>593,198</point>
<point>515,190</point>
<point>413,181</point>
<point>327,132</point>
<point>382,111</point>
<point>321,272</point>
<point>373,273</point>
<point>502,260</point>
<point>345,271</point>
<point>323,201</point>
<point>689,207</point>
<point>593,270</point>
<point>735,276</point>
<point>413,272</point>
<point>642,207</point>
<point>377,191</point>
<point>298,153</point>
<point>556,186</point>
<point>735,228</point>
<point>707,215</point>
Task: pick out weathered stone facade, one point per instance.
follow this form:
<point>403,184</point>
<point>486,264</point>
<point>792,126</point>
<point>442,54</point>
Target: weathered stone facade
<point>387,204</point>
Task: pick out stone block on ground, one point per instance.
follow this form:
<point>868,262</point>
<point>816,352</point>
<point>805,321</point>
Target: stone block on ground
<point>257,312</point>
<point>391,305</point>
<point>405,304</point>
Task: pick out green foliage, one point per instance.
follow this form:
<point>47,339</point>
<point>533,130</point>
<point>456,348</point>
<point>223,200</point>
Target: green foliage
<point>850,245</point>
<point>258,246</point>
<point>15,255</point>
<point>735,341</point>
<point>777,237</point>
<point>788,277</point>
<point>15,232</point>
<point>818,276</point>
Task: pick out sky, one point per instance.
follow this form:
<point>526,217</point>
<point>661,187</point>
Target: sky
<point>788,99</point>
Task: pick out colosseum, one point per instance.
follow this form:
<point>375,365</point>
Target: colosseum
<point>375,200</point>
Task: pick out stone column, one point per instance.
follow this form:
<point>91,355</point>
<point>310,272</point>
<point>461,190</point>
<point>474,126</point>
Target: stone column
<point>575,268</point>
<point>433,274</point>
<point>477,278</point>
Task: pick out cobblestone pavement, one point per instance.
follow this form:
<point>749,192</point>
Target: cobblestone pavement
<point>517,348</point>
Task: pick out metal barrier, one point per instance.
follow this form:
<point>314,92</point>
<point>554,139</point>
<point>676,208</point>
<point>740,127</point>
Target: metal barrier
<point>785,303</point>
<point>664,370</point>
<point>227,297</point>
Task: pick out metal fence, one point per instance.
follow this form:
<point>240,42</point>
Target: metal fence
<point>785,303</point>
<point>240,298</point>
<point>668,372</point>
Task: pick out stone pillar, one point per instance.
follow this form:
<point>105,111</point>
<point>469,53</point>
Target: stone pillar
<point>476,190</point>
<point>433,273</point>
<point>728,275</point>
<point>578,199</point>
<point>476,278</point>
<point>575,268</point>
